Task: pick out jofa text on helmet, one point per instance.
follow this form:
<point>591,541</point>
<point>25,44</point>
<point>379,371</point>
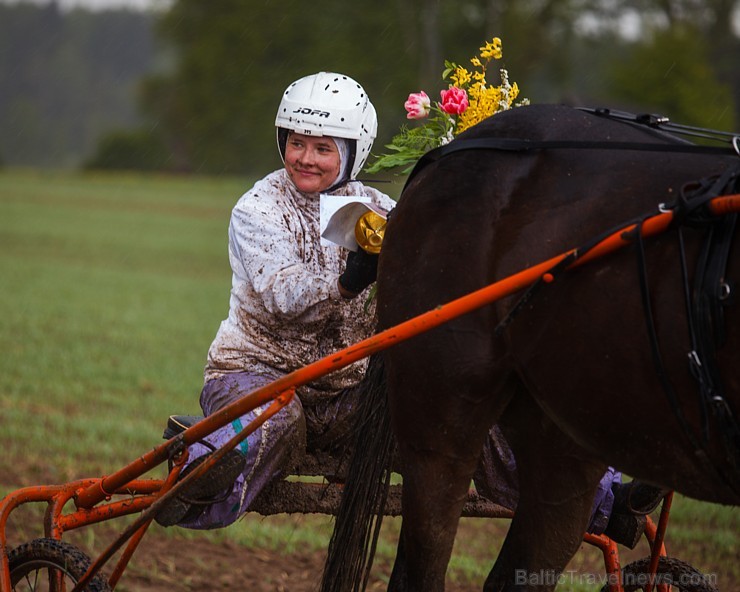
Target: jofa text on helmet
<point>308,111</point>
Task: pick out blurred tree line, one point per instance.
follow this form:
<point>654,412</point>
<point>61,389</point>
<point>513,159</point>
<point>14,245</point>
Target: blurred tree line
<point>66,78</point>
<point>212,110</point>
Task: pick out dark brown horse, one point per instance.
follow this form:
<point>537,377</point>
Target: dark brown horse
<point>589,370</point>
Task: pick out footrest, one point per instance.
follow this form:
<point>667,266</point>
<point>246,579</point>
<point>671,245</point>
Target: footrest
<point>176,424</point>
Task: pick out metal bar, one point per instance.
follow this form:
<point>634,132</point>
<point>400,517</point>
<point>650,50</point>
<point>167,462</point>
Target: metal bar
<point>84,517</point>
<point>56,496</point>
<point>651,529</point>
<point>657,548</point>
<point>127,554</point>
<point>727,204</point>
<point>610,552</point>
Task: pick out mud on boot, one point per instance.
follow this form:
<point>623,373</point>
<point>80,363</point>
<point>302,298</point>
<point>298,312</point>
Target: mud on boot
<point>633,501</point>
<point>625,529</point>
<point>636,497</point>
<point>207,489</point>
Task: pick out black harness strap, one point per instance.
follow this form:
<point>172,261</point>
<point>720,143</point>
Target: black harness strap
<point>660,370</point>
<point>705,322</point>
<point>711,293</point>
<point>521,145</point>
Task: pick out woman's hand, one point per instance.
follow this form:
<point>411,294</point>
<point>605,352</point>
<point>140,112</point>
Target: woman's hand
<point>361,271</point>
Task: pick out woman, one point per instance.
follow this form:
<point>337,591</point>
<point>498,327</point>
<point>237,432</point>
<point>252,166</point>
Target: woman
<point>293,300</point>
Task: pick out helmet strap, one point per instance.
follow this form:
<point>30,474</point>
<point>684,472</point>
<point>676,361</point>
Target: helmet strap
<point>282,140</point>
<point>347,155</point>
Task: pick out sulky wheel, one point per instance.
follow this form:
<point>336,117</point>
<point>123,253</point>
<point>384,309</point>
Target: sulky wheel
<point>49,565</point>
<point>677,574</point>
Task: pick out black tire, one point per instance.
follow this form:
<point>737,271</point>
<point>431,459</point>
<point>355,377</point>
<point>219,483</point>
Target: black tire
<point>32,565</point>
<point>678,574</point>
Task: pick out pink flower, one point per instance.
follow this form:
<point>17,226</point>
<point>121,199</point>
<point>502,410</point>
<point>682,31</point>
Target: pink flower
<point>417,105</point>
<point>454,100</point>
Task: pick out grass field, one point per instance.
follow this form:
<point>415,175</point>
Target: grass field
<point>111,289</point>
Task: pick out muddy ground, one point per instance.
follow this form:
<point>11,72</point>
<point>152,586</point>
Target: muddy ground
<point>172,564</point>
<point>175,560</point>
<point>169,561</point>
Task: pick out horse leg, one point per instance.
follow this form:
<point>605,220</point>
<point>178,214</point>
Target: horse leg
<point>440,428</point>
<point>431,513</point>
<point>399,576</point>
<point>557,483</point>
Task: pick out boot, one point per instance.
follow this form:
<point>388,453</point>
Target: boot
<point>632,503</point>
<point>209,488</point>
<point>625,529</point>
<point>636,497</point>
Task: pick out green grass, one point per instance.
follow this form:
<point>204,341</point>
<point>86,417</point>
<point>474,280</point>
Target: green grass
<point>111,289</point>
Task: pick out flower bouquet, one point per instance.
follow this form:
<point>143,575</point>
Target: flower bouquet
<point>468,100</point>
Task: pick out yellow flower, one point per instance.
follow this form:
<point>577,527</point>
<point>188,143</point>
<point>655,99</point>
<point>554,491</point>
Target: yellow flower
<point>460,77</point>
<point>492,49</point>
<point>484,101</point>
<point>514,92</point>
<point>476,62</point>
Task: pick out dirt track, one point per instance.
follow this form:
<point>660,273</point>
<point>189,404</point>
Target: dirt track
<point>173,565</point>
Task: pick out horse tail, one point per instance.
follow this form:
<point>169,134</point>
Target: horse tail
<point>353,542</point>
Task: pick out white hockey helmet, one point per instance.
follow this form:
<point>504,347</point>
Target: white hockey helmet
<point>329,104</point>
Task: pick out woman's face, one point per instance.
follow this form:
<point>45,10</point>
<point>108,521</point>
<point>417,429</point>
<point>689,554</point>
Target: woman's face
<point>312,162</point>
